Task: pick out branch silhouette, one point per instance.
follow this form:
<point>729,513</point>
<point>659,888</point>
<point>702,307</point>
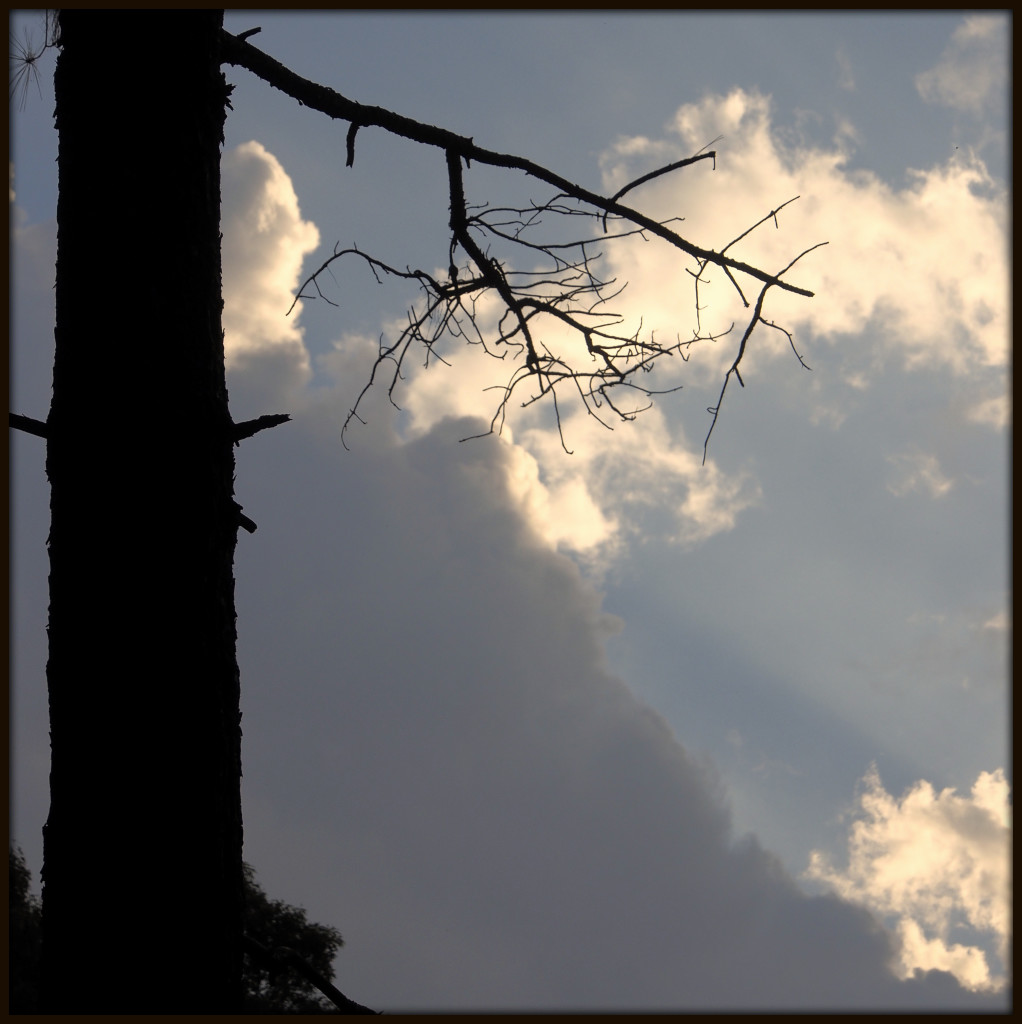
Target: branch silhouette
<point>562,288</point>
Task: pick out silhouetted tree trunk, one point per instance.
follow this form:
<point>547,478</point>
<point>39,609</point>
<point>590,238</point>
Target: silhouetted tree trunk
<point>142,856</point>
<point>142,851</point>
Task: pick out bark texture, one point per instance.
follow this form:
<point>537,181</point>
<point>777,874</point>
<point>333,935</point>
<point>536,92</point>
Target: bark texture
<point>142,875</point>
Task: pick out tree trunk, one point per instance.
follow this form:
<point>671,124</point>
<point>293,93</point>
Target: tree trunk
<point>142,873</point>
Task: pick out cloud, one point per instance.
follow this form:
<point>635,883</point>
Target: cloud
<point>972,68</point>
<point>921,270</point>
<point>265,243</point>
<point>439,760</point>
<point>998,622</point>
<point>918,277</point>
<point>994,412</point>
<point>639,470</point>
<point>917,471</point>
<point>611,483</point>
<point>437,757</point>
<point>937,864</point>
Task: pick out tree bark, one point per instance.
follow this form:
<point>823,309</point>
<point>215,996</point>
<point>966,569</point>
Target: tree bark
<point>142,873</point>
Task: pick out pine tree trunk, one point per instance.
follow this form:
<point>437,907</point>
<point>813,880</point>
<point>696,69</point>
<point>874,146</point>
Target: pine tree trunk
<point>142,848</point>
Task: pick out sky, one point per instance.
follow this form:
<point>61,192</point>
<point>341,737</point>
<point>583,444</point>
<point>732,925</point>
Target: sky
<point>616,729</point>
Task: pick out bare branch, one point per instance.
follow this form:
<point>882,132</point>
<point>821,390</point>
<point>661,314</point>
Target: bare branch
<point>333,104</point>
<point>28,425</point>
<point>715,409</point>
<point>757,318</point>
<point>560,287</point>
<point>772,215</point>
<point>712,155</point>
<point>350,144</point>
<point>239,431</point>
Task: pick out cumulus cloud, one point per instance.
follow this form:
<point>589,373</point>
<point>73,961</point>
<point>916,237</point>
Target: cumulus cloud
<point>939,865</point>
<point>433,735</point>
<point>265,242</point>
<point>972,68</point>
<point>438,759</point>
<point>611,482</point>
<point>923,268</point>
<point>642,469</point>
<point>919,276</point>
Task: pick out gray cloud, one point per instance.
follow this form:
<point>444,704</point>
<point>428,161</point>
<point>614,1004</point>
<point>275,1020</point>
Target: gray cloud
<point>439,761</point>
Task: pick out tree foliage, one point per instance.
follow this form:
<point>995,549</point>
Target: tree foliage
<point>25,934</point>
<point>271,983</point>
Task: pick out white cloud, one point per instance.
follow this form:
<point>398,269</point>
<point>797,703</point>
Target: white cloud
<point>917,471</point>
<point>583,502</point>
<point>922,269</point>
<point>265,242</point>
<point>918,273</point>
<point>937,863</point>
<point>640,470</point>
<point>562,511</point>
<point>972,68</point>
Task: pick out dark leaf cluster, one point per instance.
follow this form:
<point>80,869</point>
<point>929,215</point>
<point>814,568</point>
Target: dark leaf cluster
<point>274,986</point>
<point>25,933</point>
<point>271,984</point>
